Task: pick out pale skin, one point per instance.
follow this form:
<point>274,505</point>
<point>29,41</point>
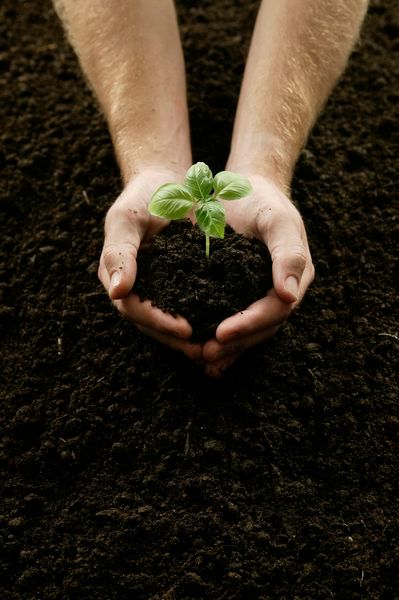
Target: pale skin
<point>131,54</point>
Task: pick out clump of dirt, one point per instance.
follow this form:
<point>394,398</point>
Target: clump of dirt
<point>176,275</point>
<point>125,473</point>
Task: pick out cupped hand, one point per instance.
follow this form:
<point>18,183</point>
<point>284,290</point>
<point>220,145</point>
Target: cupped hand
<point>128,224</point>
<point>269,215</point>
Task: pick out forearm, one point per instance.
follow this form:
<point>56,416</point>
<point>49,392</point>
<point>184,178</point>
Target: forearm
<point>130,52</point>
<point>298,50</point>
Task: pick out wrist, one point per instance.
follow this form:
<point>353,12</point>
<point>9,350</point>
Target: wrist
<point>259,171</point>
<point>263,155</point>
<point>166,170</point>
<point>135,159</point>
<point>152,145</point>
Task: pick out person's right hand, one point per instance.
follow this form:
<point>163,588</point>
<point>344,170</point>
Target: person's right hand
<point>128,223</point>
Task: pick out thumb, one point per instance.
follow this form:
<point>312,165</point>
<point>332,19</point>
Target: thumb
<point>118,268</point>
<point>289,256</point>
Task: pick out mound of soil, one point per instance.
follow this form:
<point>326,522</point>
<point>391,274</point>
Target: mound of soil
<point>124,473</point>
<point>175,274</point>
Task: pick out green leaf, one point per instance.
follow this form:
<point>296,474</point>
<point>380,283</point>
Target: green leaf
<point>171,201</point>
<point>211,218</point>
<point>199,180</point>
<point>230,186</point>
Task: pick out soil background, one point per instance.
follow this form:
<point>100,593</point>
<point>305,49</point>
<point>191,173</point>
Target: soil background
<point>125,474</point>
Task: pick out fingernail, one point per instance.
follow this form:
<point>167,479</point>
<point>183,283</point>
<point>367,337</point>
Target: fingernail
<point>291,286</point>
<point>115,279</point>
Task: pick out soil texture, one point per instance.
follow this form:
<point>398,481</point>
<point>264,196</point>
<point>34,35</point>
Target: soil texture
<point>175,274</point>
<point>124,473</point>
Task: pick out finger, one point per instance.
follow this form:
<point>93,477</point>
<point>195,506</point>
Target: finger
<point>118,269</point>
<point>192,351</point>
<point>149,316</point>
<point>215,352</point>
<point>288,247</point>
<point>261,315</point>
<point>217,368</point>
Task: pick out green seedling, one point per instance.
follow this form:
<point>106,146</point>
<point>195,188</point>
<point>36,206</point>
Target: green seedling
<point>201,193</point>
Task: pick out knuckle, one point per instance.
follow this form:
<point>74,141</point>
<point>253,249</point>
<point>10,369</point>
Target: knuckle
<point>118,255</point>
<point>298,258</point>
<point>111,255</point>
<point>293,254</point>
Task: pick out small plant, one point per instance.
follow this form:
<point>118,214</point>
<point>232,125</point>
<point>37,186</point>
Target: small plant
<point>202,193</point>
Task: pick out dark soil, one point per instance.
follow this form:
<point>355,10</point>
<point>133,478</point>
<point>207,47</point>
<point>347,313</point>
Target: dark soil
<point>176,275</point>
<point>124,473</point>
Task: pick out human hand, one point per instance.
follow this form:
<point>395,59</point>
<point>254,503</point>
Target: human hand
<point>269,215</point>
<point>128,224</point>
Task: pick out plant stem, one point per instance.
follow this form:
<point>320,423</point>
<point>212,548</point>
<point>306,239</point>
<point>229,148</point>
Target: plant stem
<point>207,245</point>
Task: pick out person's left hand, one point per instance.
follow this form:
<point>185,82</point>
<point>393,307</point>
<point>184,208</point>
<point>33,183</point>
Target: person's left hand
<point>269,215</point>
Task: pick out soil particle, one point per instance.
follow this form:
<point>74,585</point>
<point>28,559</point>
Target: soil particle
<point>175,274</point>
